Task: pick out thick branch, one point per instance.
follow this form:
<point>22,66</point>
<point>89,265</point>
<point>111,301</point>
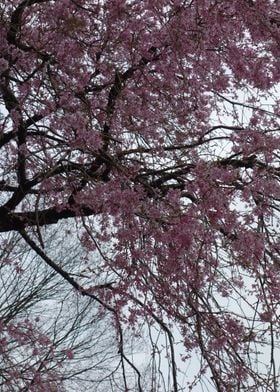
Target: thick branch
<point>19,220</point>
<point>15,24</point>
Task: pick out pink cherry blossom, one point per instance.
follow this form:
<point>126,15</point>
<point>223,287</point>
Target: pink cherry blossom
<point>155,124</point>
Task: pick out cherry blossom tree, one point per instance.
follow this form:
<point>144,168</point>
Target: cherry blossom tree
<point>155,124</point>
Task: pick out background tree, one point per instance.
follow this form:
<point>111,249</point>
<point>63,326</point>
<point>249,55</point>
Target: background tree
<point>155,125</point>
<point>43,324</point>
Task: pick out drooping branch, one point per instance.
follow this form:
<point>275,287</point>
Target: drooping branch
<point>64,274</point>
